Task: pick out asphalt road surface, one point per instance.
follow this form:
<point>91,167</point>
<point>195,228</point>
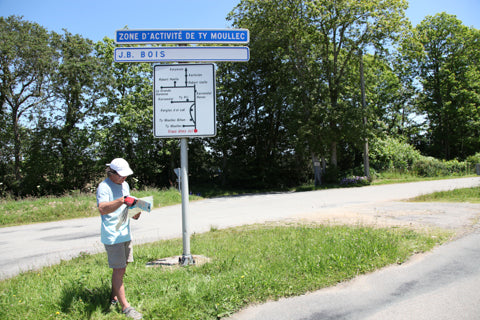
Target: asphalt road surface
<point>438,285</point>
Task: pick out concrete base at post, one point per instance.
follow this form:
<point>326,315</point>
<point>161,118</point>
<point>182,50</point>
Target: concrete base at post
<point>179,261</point>
<point>186,260</point>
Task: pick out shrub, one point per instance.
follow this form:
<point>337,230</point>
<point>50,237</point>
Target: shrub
<point>473,160</point>
<point>431,167</point>
<point>393,154</point>
<point>355,181</point>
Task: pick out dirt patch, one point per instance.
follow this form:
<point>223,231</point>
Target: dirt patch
<point>457,217</point>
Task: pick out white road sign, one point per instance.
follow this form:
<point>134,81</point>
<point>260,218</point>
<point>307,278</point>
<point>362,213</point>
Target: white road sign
<point>181,54</point>
<point>184,100</point>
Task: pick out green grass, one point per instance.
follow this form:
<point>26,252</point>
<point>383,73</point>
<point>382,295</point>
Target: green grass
<point>76,205</point>
<point>398,177</point>
<point>18,212</point>
<point>250,264</point>
<point>471,195</point>
<point>389,177</point>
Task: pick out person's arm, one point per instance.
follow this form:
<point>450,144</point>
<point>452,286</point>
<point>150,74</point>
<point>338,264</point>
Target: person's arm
<point>109,207</point>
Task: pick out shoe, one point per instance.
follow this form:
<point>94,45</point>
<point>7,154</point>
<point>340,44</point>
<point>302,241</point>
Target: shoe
<point>113,299</point>
<point>130,312</point>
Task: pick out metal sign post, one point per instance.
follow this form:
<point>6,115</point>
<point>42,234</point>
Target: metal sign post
<point>183,95</point>
<point>184,106</point>
<point>186,256</point>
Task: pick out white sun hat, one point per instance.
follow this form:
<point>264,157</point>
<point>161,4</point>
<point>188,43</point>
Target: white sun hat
<point>121,166</point>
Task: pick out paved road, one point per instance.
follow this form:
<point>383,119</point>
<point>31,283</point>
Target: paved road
<point>442,284</point>
<point>34,246</point>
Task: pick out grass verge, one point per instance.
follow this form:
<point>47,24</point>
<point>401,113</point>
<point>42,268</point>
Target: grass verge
<point>249,264</point>
<point>77,205</point>
<point>471,195</point>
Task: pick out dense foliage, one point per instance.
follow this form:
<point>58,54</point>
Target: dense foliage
<point>67,108</point>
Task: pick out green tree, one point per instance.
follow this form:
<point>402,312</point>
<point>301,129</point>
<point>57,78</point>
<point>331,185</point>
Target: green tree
<point>126,129</point>
<point>450,78</point>
<point>390,98</point>
<point>311,48</point>
<point>343,28</point>
<point>78,88</point>
<point>27,59</point>
<point>255,145</point>
<point>62,151</point>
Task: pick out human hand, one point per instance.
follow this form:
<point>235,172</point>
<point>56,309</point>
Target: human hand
<point>129,201</point>
<point>135,217</point>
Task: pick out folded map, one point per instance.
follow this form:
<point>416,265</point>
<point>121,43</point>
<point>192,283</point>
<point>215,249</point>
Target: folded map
<point>142,204</point>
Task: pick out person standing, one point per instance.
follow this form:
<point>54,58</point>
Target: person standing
<point>113,197</point>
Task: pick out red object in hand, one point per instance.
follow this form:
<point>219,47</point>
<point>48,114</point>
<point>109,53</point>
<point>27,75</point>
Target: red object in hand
<point>129,201</point>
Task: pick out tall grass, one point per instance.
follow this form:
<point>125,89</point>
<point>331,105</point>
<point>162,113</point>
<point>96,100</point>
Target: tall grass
<point>471,195</point>
<point>251,264</point>
<point>33,210</point>
<point>395,176</point>
<point>71,206</point>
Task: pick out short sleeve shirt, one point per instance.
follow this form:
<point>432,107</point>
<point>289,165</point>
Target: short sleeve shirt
<point>108,191</point>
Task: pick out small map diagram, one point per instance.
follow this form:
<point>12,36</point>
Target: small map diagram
<point>184,100</point>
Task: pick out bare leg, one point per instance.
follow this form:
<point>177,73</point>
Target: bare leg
<point>118,289</point>
<point>113,297</point>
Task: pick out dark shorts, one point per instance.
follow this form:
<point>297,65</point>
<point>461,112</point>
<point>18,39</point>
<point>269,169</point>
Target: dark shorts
<point>119,254</point>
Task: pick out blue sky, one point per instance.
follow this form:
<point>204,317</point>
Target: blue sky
<point>97,19</point>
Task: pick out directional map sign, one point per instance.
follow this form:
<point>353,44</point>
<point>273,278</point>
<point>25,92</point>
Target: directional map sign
<point>181,54</point>
<point>184,100</point>
<point>233,36</point>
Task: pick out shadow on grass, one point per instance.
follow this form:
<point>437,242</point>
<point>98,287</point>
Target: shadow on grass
<point>82,301</point>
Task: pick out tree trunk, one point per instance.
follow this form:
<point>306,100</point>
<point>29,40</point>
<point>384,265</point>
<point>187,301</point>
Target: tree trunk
<point>366,163</point>
<point>333,159</point>
<point>16,141</point>
<point>317,170</point>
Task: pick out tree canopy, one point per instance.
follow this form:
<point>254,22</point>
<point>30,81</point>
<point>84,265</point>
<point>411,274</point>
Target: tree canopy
<point>67,108</point>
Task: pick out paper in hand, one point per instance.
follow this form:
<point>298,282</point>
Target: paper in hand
<point>143,204</point>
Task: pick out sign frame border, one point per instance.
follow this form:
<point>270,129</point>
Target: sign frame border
<point>214,102</point>
<point>158,60</point>
<point>186,41</point>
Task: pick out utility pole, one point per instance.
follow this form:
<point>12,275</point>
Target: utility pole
<point>366,162</point>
